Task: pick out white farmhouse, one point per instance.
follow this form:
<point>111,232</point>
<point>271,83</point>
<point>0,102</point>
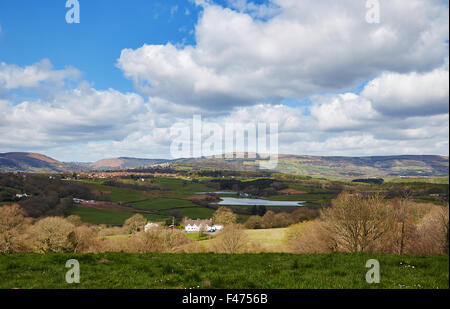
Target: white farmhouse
<point>192,226</point>
<point>150,225</point>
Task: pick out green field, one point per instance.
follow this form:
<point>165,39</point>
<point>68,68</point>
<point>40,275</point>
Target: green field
<point>166,202</point>
<point>163,203</point>
<point>180,271</point>
<point>271,239</point>
<point>109,217</point>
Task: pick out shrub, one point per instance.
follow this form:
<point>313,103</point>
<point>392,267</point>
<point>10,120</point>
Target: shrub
<point>231,240</point>
<point>224,216</point>
<point>12,226</point>
<point>311,237</point>
<point>159,240</point>
<point>83,239</point>
<point>433,231</point>
<point>52,235</point>
<point>254,222</point>
<point>135,223</point>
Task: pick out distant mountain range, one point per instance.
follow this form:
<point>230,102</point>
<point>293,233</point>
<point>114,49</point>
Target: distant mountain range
<point>337,167</point>
<point>34,162</point>
<point>314,166</point>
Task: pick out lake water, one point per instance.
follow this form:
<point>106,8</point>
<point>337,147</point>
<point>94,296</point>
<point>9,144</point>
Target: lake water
<point>219,192</point>
<point>257,202</point>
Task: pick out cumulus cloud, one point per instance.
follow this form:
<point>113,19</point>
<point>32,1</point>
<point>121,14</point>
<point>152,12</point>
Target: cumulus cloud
<point>411,94</point>
<point>75,116</point>
<point>307,48</point>
<point>246,60</point>
<point>34,76</point>
<point>342,112</point>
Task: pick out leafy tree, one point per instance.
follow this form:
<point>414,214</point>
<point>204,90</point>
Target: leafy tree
<point>52,235</point>
<point>224,216</point>
<point>135,223</point>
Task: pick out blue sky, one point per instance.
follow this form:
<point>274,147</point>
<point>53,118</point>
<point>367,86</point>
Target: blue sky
<point>114,84</point>
<point>33,30</point>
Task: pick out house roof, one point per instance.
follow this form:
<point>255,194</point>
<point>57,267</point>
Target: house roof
<point>197,222</point>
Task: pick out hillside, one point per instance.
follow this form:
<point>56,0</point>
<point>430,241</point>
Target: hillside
<point>30,162</point>
<point>119,163</point>
<point>336,167</point>
<point>34,162</point>
<point>313,166</point>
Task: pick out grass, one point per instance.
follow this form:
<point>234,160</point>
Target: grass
<point>207,270</point>
<point>163,203</point>
<point>193,213</point>
<point>197,236</point>
<point>271,239</point>
<point>109,217</point>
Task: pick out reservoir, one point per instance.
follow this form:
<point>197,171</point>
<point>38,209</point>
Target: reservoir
<point>257,202</point>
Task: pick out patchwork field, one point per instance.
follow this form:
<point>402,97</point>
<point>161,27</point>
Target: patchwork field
<point>240,271</point>
<point>101,216</point>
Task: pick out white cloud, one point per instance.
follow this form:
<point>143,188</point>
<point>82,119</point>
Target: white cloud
<point>34,76</point>
<point>307,48</point>
<point>241,67</point>
<point>411,94</point>
<point>75,116</point>
<point>344,112</point>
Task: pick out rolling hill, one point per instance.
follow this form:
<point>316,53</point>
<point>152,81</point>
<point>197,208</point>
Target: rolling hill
<point>314,166</point>
<point>34,162</point>
<point>29,162</point>
<point>336,167</point>
<point>123,162</point>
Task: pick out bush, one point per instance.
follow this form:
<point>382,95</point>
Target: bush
<point>433,231</point>
<point>231,240</point>
<point>12,226</point>
<point>159,239</point>
<point>52,235</point>
<point>310,237</point>
<point>254,222</point>
<point>83,239</point>
<point>224,216</point>
<point>135,223</point>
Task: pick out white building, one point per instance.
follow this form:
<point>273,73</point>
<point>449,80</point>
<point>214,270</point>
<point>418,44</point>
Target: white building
<point>150,225</point>
<point>22,195</point>
<point>192,226</point>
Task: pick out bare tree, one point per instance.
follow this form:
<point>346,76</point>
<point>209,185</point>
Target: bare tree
<point>434,232</point>
<point>52,235</point>
<point>135,223</point>
<point>83,239</point>
<point>224,216</point>
<point>232,239</point>
<point>12,226</point>
<point>358,222</point>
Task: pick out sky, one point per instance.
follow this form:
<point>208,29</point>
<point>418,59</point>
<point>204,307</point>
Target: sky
<point>334,81</point>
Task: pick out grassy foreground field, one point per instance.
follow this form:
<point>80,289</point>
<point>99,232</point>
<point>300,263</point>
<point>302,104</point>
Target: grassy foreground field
<point>180,271</point>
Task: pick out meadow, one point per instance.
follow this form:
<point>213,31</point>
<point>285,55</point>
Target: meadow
<point>215,271</point>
